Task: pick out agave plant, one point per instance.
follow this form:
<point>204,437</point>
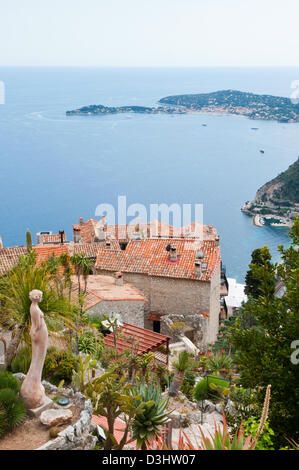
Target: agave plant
<point>219,362</point>
<point>147,423</point>
<point>221,438</point>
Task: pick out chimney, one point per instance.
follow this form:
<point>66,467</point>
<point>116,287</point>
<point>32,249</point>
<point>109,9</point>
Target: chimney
<point>61,233</point>
<point>104,223</point>
<point>1,244</point>
<point>173,256</point>
<point>204,267</point>
<point>217,240</point>
<point>81,221</point>
<point>76,233</point>
<point>197,268</point>
<point>119,281</point>
<point>108,243</point>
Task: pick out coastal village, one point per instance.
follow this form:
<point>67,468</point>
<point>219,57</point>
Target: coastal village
<point>145,303</point>
<point>165,287</point>
<point>277,201</point>
<point>149,303</point>
<point>153,274</point>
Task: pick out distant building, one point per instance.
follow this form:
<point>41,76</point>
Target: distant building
<point>49,238</point>
<point>235,297</point>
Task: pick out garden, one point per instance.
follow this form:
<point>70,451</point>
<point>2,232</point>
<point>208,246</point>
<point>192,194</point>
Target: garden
<point>245,379</point>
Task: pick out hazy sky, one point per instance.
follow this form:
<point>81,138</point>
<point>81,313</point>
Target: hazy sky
<point>149,32</point>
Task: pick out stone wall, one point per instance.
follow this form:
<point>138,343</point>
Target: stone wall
<point>214,310</point>
<point>173,296</point>
<point>131,311</point>
<point>77,436</point>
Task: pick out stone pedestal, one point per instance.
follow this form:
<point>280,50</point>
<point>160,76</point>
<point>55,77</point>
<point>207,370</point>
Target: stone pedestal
<point>34,412</point>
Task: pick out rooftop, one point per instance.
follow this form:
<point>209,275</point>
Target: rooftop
<point>103,288</point>
<point>9,257</point>
<point>150,257</point>
<point>145,340</point>
<point>146,230</point>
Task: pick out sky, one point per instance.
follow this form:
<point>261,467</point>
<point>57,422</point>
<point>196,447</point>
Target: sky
<point>147,33</point>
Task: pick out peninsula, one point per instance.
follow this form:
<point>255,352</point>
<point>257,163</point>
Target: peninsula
<point>277,201</point>
<point>240,103</point>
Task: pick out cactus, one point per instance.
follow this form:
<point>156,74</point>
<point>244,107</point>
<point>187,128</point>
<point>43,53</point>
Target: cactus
<point>28,240</point>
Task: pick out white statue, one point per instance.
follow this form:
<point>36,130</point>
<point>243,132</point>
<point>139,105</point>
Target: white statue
<point>32,390</point>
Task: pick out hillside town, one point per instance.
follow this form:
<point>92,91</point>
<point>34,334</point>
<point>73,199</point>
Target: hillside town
<point>154,275</point>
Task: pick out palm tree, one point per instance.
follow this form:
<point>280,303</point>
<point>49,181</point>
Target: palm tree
<point>82,266</point>
<point>65,261</point>
<point>86,267</point>
<point>15,302</point>
<point>181,366</point>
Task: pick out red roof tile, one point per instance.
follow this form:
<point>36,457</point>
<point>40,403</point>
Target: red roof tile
<point>146,340</point>
<point>9,257</point>
<point>150,257</point>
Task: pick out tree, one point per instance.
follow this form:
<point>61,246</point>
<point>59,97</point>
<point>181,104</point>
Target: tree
<point>15,302</point>
<point>110,397</point>
<point>260,257</point>
<point>263,351</point>
<point>82,266</point>
<point>181,366</point>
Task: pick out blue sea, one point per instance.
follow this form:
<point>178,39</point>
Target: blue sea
<point>55,169</point>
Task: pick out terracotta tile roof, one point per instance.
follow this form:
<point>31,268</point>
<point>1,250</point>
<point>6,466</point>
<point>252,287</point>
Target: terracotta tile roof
<point>88,230</point>
<point>146,230</point>
<point>103,288</point>
<point>145,340</point>
<point>9,257</point>
<point>44,252</point>
<point>89,249</point>
<point>150,257</point>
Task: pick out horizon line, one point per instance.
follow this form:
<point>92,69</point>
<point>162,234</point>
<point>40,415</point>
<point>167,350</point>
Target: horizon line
<point>149,66</point>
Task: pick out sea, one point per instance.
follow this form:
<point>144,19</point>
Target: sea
<point>55,169</point>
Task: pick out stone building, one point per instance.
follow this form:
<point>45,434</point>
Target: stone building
<point>179,277</point>
<point>106,295</point>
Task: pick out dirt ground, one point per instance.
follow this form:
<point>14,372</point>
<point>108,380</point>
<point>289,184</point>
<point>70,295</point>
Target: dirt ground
<point>32,434</point>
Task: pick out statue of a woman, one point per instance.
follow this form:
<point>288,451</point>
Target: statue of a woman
<point>32,391</point>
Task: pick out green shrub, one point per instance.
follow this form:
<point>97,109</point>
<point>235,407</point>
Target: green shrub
<point>264,442</point>
<point>21,361</point>
<point>59,365</point>
<point>187,387</point>
<point>12,408</point>
<point>7,380</point>
<point>203,390</point>
<point>90,344</point>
